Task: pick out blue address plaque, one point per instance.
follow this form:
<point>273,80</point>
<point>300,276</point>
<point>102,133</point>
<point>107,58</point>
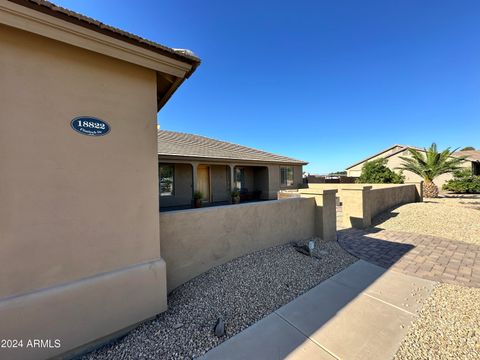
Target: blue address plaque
<point>90,126</point>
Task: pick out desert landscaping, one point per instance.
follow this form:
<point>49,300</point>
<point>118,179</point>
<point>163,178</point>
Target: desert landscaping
<point>239,180</point>
<point>448,324</point>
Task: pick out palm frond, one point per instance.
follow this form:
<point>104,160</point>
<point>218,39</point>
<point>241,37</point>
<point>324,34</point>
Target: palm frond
<point>431,164</point>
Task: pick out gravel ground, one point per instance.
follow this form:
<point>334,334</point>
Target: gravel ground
<point>451,218</point>
<point>241,291</point>
<point>448,326</point>
<point>471,201</point>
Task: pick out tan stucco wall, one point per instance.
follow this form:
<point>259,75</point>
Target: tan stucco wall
<point>326,211</point>
<point>73,207</point>
<point>193,241</point>
<point>83,311</point>
<point>381,199</point>
<point>342,187</point>
<point>274,183</point>
<point>297,176</point>
<point>361,205</point>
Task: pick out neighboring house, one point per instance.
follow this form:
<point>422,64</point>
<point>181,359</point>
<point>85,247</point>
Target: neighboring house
<point>189,163</point>
<point>393,153</point>
<point>472,157</point>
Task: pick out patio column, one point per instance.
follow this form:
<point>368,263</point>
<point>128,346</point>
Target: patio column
<point>325,211</point>
<point>356,209</point>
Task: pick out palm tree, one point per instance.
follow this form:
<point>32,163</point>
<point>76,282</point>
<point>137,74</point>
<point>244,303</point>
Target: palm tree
<point>430,166</point>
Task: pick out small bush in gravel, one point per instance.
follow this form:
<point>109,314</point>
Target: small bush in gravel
<point>463,183</point>
<point>377,172</point>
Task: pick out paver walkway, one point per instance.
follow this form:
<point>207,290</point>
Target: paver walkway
<point>362,312</point>
<point>425,256</point>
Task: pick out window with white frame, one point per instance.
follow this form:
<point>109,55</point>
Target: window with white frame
<point>286,176</point>
<point>166,179</point>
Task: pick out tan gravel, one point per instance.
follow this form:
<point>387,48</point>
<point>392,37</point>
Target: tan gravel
<point>241,292</point>
<point>456,219</point>
<point>448,326</point>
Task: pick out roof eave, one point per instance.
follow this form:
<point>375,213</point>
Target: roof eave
<point>225,159</point>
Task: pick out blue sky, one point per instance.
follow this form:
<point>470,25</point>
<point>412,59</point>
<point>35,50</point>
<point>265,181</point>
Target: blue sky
<point>329,82</point>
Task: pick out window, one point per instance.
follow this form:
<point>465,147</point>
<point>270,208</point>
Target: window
<point>286,176</point>
<point>166,179</point>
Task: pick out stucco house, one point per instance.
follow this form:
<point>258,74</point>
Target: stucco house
<point>393,153</point>
<point>188,163</point>
<point>80,256</point>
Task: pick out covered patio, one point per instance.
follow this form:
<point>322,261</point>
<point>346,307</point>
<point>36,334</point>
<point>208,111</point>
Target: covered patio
<point>179,181</point>
<point>193,166</point>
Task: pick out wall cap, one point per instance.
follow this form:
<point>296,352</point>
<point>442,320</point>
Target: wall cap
<point>363,188</point>
<point>317,191</point>
<point>229,206</point>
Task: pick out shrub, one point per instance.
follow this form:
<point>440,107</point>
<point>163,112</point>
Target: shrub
<point>463,182</point>
<point>197,195</point>
<point>377,172</point>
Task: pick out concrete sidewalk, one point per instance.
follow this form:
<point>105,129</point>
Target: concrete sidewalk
<point>362,312</point>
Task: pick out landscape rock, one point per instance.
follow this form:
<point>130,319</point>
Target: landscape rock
<point>219,329</point>
<point>243,291</point>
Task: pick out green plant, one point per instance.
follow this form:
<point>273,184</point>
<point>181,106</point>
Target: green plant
<point>235,196</point>
<point>463,182</point>
<point>430,166</point>
<point>197,195</point>
<point>235,193</point>
<point>466,148</point>
<point>377,172</point>
<point>462,173</point>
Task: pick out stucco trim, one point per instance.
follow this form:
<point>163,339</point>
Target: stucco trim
<point>84,311</point>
